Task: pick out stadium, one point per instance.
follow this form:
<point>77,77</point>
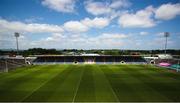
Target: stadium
<point>89,78</point>
<point>89,51</point>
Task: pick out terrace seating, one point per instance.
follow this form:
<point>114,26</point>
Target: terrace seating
<point>79,59</point>
<point>50,59</point>
<point>109,59</point>
<point>96,59</point>
<point>59,59</point>
<point>100,59</point>
<point>69,59</point>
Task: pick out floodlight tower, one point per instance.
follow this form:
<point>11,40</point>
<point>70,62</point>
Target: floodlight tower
<point>16,34</point>
<point>166,35</point>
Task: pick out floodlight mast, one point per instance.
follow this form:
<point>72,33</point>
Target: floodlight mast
<point>166,35</point>
<point>16,34</point>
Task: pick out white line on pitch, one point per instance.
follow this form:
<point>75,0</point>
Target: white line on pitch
<point>78,86</point>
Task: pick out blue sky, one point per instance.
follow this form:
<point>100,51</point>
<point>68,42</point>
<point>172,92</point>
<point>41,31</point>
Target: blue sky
<point>90,24</point>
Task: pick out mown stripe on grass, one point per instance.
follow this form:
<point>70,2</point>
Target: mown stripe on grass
<point>103,89</point>
<point>18,88</point>
<point>86,91</point>
<point>124,92</point>
<point>44,91</point>
<point>16,73</point>
<point>87,83</point>
<point>68,89</point>
<point>157,73</point>
<point>161,72</point>
<point>60,88</point>
<point>163,84</point>
<point>141,89</point>
<point>12,79</point>
<point>77,87</point>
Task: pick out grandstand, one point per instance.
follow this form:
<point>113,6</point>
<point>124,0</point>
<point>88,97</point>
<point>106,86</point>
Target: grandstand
<point>10,63</point>
<point>89,59</point>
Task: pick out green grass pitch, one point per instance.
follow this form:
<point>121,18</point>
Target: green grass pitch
<point>90,83</point>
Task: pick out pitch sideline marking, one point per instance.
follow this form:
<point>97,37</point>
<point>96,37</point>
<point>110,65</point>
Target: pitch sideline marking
<point>78,86</point>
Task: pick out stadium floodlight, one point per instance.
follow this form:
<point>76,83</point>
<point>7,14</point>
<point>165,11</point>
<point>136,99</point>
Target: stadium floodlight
<point>16,34</point>
<point>166,35</point>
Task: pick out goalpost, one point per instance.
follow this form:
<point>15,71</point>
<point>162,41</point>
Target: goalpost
<point>7,64</point>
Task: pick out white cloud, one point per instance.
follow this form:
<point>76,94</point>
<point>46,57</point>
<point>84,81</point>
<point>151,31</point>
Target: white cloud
<point>75,26</point>
<point>96,22</point>
<point>85,24</point>
<point>97,8</point>
<point>60,5</point>
<point>16,26</point>
<point>167,11</point>
<point>71,26</point>
<point>145,18</point>
<point>143,33</point>
<point>84,41</point>
<point>55,37</point>
<point>81,41</point>
<point>102,8</point>
<point>159,43</point>
<point>142,19</point>
<point>113,36</point>
<point>120,3</point>
<point>56,40</point>
<point>108,40</point>
<point>7,29</point>
<point>7,41</point>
